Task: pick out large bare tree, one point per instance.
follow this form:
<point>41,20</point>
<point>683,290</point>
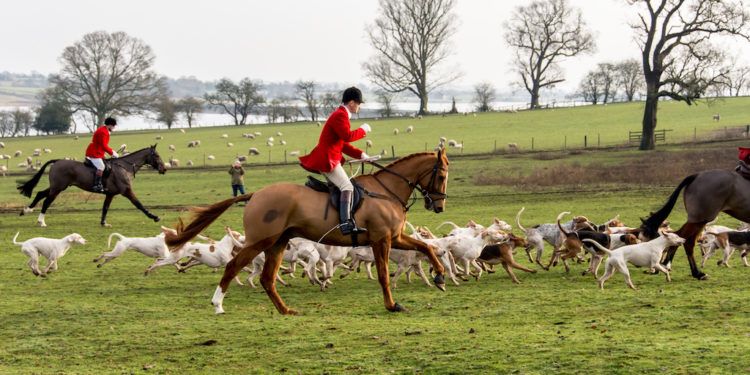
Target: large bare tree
<point>190,107</point>
<point>590,87</point>
<point>678,60</point>
<point>544,33</point>
<point>411,38</point>
<point>306,92</point>
<point>738,76</point>
<point>237,100</point>
<point>108,73</point>
<point>484,95</point>
<point>385,99</point>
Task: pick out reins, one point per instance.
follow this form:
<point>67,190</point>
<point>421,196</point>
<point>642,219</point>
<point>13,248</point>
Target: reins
<point>426,193</point>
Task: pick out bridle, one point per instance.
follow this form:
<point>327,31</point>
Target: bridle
<point>151,160</point>
<point>428,193</point>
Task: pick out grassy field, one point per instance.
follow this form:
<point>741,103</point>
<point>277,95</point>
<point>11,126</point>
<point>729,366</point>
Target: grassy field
<point>84,319</point>
<point>552,129</point>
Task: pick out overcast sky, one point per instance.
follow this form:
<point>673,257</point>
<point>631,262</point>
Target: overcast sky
<point>283,40</point>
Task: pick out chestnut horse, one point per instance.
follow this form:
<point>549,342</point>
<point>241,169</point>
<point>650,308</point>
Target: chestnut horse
<point>69,172</point>
<point>706,195</point>
<point>282,211</point>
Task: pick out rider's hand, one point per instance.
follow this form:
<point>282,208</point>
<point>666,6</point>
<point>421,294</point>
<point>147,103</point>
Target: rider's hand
<point>114,154</point>
<point>364,156</point>
<point>366,127</point>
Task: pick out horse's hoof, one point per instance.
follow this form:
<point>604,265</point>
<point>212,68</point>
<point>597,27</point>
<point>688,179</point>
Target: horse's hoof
<point>702,276</point>
<point>99,265</point>
<point>106,225</point>
<point>218,310</point>
<point>397,308</point>
<point>439,279</point>
<point>157,219</point>
<point>291,312</point>
<point>440,286</point>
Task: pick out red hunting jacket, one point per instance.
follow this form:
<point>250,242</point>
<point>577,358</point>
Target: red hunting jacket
<point>99,143</point>
<point>334,140</point>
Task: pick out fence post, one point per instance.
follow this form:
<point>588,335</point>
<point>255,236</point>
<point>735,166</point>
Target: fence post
<point>496,144</point>
<point>599,140</point>
<point>565,143</point>
<point>285,157</point>
<point>462,146</point>
<point>204,160</point>
<point>532,143</point>
<point>695,134</point>
<point>393,151</point>
<point>269,156</point>
<point>425,146</point>
<point>585,141</point>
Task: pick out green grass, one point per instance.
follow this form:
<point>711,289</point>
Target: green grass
<point>84,319</point>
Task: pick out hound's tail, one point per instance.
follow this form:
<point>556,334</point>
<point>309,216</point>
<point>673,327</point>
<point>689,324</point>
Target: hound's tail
<point>518,220</point>
<point>597,245</point>
<point>559,217</point>
<point>14,239</point>
<point>448,223</point>
<point>651,225</point>
<point>202,218</point>
<point>27,187</point>
<point>109,239</point>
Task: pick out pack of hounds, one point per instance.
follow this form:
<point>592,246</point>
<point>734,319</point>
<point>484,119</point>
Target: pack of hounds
<point>465,251</point>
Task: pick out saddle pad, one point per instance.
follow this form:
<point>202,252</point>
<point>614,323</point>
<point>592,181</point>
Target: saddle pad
<point>327,187</point>
<point>107,167</point>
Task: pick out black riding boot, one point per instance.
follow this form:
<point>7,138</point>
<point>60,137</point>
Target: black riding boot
<point>348,226</point>
<point>98,187</point>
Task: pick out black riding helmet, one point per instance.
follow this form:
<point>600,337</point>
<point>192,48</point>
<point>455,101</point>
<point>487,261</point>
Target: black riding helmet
<point>352,93</point>
<point>110,121</point>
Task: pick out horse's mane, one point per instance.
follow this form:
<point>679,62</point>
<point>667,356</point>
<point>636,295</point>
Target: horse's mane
<point>405,158</point>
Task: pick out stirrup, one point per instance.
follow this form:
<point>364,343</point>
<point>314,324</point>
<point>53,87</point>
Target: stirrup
<point>350,227</point>
<point>98,188</point>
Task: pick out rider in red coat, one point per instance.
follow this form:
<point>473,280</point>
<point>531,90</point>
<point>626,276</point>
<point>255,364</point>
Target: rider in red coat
<point>326,157</point>
<point>96,149</point>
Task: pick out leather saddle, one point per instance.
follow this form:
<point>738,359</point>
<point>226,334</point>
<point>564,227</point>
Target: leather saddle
<point>743,169</point>
<point>328,187</point>
<point>107,167</point>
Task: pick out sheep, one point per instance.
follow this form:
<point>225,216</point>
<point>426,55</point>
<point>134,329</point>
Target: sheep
<point>194,143</point>
<point>174,162</point>
<point>717,117</point>
<point>167,165</point>
<point>452,143</point>
<point>270,139</point>
<point>47,150</point>
<point>211,157</point>
<point>158,137</point>
<point>22,165</point>
<point>512,147</point>
<point>294,153</point>
<point>248,135</point>
<point>258,133</point>
<point>419,117</point>
<point>269,144</point>
<point>75,138</point>
<point>37,152</point>
<point>318,123</point>
<point>242,158</point>
<point>190,163</point>
<point>182,131</point>
<point>230,144</point>
<point>3,170</point>
<point>395,131</point>
<point>409,129</point>
<point>224,135</point>
<point>2,144</point>
<point>18,153</point>
<point>172,148</point>
<point>368,143</point>
<point>283,142</point>
<point>253,151</point>
<point>279,134</point>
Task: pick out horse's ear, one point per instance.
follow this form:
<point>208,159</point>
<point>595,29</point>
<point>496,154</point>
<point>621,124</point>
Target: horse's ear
<point>154,145</point>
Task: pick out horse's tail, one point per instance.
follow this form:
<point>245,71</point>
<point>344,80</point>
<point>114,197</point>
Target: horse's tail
<point>27,187</point>
<point>109,239</point>
<point>518,220</point>
<point>651,225</point>
<point>202,218</point>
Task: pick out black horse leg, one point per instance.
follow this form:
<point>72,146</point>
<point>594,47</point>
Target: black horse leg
<point>105,208</point>
<point>689,232</point>
<point>39,196</point>
<point>130,195</point>
<point>47,202</point>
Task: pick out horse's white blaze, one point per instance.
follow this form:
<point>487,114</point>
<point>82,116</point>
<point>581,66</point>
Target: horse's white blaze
<point>218,300</point>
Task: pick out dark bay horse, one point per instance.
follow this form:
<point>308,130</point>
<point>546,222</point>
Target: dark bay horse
<point>68,172</point>
<point>706,195</point>
<point>282,211</point>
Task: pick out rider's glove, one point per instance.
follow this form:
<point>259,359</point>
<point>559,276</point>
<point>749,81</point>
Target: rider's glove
<point>114,154</point>
<point>366,127</point>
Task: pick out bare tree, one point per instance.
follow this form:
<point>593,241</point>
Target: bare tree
<point>737,78</point>
<point>6,124</point>
<point>385,99</point>
<point>306,92</point>
<point>543,33</point>
<point>608,76</point>
<point>104,74</point>
<point>484,95</point>
<point>330,101</point>
<point>190,107</point>
<point>630,77</point>
<point>237,100</point>
<point>591,87</point>
<point>411,38</point>
<point>282,108</point>
<point>22,122</point>
<point>166,111</point>
<point>669,31</point>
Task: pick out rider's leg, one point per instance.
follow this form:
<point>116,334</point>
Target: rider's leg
<point>339,178</point>
<point>99,164</point>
